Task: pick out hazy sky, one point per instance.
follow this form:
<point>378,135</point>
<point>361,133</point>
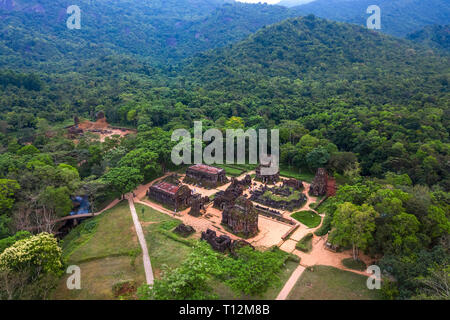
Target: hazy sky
<point>273,1</point>
<point>256,1</point>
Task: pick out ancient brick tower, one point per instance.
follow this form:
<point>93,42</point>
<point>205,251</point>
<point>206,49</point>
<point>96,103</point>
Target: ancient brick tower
<point>241,217</point>
<point>319,185</point>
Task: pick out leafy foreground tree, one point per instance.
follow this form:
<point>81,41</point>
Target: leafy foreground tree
<point>124,179</point>
<point>30,267</point>
<point>187,282</point>
<point>252,272</point>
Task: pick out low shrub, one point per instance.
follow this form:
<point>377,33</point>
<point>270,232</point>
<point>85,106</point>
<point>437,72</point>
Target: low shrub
<point>305,244</point>
<point>350,263</point>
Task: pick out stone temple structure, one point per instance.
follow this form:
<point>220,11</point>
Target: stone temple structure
<point>198,205</point>
<point>270,179</point>
<point>319,184</point>
<point>218,243</point>
<point>241,217</point>
<point>178,197</point>
<point>227,197</point>
<point>293,183</point>
<point>205,175</point>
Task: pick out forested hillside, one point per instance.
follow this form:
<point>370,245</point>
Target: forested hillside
<point>398,17</point>
<point>434,36</point>
<point>382,98</point>
<point>160,31</point>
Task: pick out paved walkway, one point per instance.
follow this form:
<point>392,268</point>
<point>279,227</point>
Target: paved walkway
<point>146,258</point>
<point>290,283</point>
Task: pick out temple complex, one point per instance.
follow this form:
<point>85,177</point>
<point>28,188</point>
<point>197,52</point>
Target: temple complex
<point>176,196</point>
<point>205,175</point>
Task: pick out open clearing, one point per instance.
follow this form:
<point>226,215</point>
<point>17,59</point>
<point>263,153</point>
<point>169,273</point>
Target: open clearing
<point>164,246</point>
<point>105,252</point>
<point>328,283</point>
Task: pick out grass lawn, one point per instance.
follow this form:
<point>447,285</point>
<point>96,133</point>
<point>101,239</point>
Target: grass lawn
<point>164,246</point>
<point>231,171</point>
<point>107,251</point>
<point>308,218</point>
<point>115,226</point>
<point>293,196</point>
<point>225,293</point>
<point>328,283</point>
<point>302,174</point>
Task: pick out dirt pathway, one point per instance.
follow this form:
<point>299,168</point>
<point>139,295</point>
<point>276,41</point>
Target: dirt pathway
<point>145,256</point>
<point>289,285</point>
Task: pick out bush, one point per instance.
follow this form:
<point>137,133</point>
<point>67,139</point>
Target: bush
<point>350,263</point>
<point>124,289</point>
<point>326,226</point>
<point>305,244</point>
<point>8,242</point>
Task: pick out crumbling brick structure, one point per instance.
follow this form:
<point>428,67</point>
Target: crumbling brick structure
<point>319,184</point>
<point>184,230</point>
<point>221,243</point>
<point>241,217</point>
<point>227,197</point>
<point>293,183</point>
<point>269,179</point>
<point>178,197</point>
<point>198,205</point>
<point>205,175</point>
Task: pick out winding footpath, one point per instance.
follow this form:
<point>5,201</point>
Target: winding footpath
<point>145,256</point>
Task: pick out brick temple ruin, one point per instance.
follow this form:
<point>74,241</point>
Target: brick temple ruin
<point>176,196</point>
<point>241,217</point>
<point>319,184</point>
<point>100,127</point>
<point>269,179</point>
<point>223,242</point>
<point>198,205</point>
<point>205,175</point>
<point>293,183</point>
<point>227,197</point>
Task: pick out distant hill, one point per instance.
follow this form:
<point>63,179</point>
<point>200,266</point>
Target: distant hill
<point>398,17</point>
<point>34,32</point>
<point>327,59</point>
<point>433,36</point>
<point>293,3</point>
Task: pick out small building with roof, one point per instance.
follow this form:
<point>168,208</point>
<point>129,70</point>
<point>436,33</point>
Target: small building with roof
<point>175,196</point>
<point>205,175</point>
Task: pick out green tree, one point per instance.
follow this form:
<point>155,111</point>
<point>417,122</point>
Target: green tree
<point>38,254</point>
<point>146,161</point>
<point>123,179</point>
<point>317,158</point>
<point>8,190</point>
<point>353,225</point>
<point>187,282</point>
<point>253,272</point>
<point>56,200</point>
